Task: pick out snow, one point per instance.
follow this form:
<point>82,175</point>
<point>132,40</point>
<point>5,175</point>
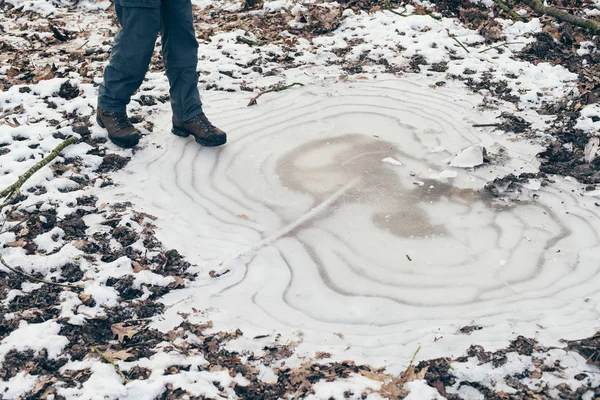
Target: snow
<point>362,188</point>
<point>421,390</point>
<point>468,158</point>
<point>35,337</point>
<point>589,121</point>
<point>17,386</point>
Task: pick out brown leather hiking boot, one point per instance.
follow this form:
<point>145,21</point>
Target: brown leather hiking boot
<point>201,129</point>
<point>120,130</point>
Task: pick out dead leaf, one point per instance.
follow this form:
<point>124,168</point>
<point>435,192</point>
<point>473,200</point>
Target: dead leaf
<point>179,282</point>
<point>30,248</point>
<point>243,216</point>
<point>535,374</point>
<point>123,332</point>
<point>341,336</point>
<point>373,376</point>
<point>80,244</point>
<point>84,297</point>
<point>137,267</point>
<point>118,355</point>
<point>42,383</point>
<point>18,243</point>
<point>215,274</point>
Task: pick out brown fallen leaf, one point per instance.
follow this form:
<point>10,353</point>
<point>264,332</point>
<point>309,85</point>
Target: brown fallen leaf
<point>118,355</point>
<point>42,383</point>
<point>137,267</point>
<point>535,374</point>
<point>84,297</point>
<point>179,283</point>
<point>123,332</point>
<point>80,244</point>
<point>215,274</point>
<point>18,243</point>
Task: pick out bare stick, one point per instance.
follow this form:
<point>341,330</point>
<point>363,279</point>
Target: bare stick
<point>414,355</point>
<point>14,188</point>
<point>484,125</point>
<point>33,278</point>
<point>540,8</point>
<point>499,45</point>
<point>509,10</point>
<point>397,13</point>
<point>461,45</point>
<point>275,89</point>
<point>111,362</point>
<point>312,213</point>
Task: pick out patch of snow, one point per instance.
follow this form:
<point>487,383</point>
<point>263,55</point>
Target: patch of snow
<point>35,337</point>
<point>470,157</point>
<point>17,386</point>
<point>392,161</point>
<point>589,119</point>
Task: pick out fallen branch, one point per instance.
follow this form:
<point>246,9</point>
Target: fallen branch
<point>249,42</point>
<point>312,213</point>
<point>111,362</point>
<point>485,125</point>
<point>397,13</point>
<point>36,279</point>
<point>461,45</point>
<point>540,8</point>
<point>499,45</point>
<point>509,10</point>
<point>275,89</point>
<point>13,190</point>
<point>57,34</point>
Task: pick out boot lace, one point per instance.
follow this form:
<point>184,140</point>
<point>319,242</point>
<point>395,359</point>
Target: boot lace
<point>204,123</point>
<point>121,120</point>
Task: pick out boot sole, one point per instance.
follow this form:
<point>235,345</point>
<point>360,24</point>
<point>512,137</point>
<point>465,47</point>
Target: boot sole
<point>126,142</point>
<point>203,142</point>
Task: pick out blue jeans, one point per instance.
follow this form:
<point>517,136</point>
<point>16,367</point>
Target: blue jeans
<point>141,21</point>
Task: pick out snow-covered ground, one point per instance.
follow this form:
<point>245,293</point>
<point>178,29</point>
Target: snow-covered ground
<point>345,219</point>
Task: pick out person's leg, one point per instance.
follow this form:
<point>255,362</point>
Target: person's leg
<point>130,57</point>
<point>180,54</point>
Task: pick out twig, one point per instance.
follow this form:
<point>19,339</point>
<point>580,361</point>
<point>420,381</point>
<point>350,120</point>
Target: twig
<point>433,16</point>
<point>312,213</point>
<point>414,355</point>
<point>540,8</point>
<point>12,197</point>
<point>397,13</point>
<point>499,45</point>
<point>13,189</point>
<point>275,89</point>
<point>33,278</point>
<point>249,42</point>
<point>484,125</point>
<point>58,34</point>
<point>509,10</point>
<point>17,110</point>
<point>111,362</point>
<point>461,45</point>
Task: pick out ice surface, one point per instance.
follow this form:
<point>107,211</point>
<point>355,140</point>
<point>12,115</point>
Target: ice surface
<point>366,257</point>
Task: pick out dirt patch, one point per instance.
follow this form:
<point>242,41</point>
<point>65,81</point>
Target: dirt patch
<point>112,162</point>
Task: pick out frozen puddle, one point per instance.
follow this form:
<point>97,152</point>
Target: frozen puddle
<point>342,222</point>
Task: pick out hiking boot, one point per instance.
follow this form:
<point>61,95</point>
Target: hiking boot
<point>120,130</point>
<point>201,129</point>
